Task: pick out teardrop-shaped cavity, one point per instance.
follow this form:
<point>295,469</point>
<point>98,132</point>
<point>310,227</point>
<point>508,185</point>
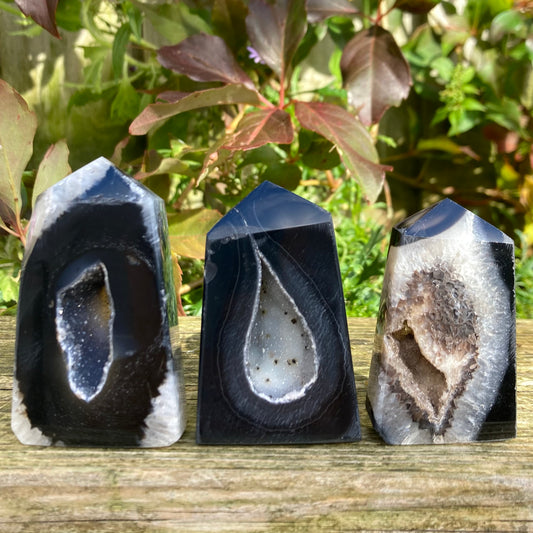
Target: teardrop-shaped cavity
<point>84,327</point>
<point>280,353</point>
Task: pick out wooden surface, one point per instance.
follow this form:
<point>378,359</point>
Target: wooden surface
<point>365,486</point>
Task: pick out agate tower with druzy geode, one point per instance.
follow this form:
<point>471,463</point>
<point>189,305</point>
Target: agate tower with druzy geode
<point>94,358</point>
<point>275,362</point>
<point>443,368</point>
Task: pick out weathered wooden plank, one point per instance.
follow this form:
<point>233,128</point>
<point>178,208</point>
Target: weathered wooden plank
<point>347,487</point>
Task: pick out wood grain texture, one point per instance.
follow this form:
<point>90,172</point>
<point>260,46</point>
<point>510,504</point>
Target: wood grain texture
<point>365,486</point>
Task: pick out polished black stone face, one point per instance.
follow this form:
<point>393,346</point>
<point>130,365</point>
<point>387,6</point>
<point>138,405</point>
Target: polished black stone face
<point>94,362</point>
<point>275,363</point>
<point>444,360</point>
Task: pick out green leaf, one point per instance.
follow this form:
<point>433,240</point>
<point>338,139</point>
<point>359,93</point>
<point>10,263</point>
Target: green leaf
<point>526,94</point>
<point>389,141</point>
<point>92,73</point>
<point>422,48</point>
<point>68,15</point>
<point>480,14</point>
<point>173,21</point>
<point>158,112</point>
<point>160,184</point>
<point>444,144</point>
<point>444,67</point>
<point>469,104</point>
<point>154,164</point>
<point>126,103</point>
<point>506,113</point>
<point>440,115</point>
<point>416,6</point>
<point>17,129</point>
<point>462,121</point>
<point>507,22</point>
<point>228,18</point>
<point>351,139</point>
<point>265,155</point>
<point>311,38</point>
<point>9,287</point>
<point>522,51</point>
<point>53,168</point>
<point>187,231</point>
<point>135,20</point>
<point>10,258</point>
<point>120,44</point>
<point>317,152</point>
<point>464,75</point>
<point>283,174</point>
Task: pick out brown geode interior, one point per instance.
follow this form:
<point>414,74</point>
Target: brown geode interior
<point>437,312</point>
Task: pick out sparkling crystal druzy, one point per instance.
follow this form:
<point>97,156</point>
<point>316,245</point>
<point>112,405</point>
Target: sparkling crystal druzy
<point>275,362</point>
<point>94,360</point>
<point>443,368</point>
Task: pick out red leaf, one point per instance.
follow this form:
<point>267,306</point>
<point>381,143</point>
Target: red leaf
<point>375,73</point>
<point>321,9</point>
<point>259,128</point>
<point>158,112</point>
<point>203,57</point>
<point>172,97</point>
<point>351,139</point>
<point>17,129</point>
<point>43,12</point>
<point>275,31</point>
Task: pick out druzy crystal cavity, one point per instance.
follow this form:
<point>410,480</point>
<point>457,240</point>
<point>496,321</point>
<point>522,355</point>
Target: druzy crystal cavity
<point>279,353</point>
<point>84,326</point>
<point>95,364</point>
<point>275,363</point>
<point>443,368</point>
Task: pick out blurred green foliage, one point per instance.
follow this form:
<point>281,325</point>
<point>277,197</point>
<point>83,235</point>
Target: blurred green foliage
<point>465,131</point>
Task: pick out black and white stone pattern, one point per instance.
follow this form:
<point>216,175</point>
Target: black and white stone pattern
<point>443,368</point>
<point>275,362</point>
<point>95,364</point>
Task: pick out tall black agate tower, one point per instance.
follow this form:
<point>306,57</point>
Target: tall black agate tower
<point>443,368</point>
<point>275,362</point>
<point>94,358</point>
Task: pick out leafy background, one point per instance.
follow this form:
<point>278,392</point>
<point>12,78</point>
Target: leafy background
<point>373,109</point>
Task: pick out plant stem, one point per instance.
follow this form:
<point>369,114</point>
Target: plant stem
<point>281,102</point>
<point>188,287</point>
<point>265,101</point>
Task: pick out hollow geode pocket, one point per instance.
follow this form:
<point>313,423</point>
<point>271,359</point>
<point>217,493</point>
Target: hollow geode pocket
<point>275,362</point>
<point>443,368</point>
<point>96,362</point>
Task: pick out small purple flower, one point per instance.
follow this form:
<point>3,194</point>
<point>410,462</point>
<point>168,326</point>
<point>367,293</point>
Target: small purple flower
<point>254,56</point>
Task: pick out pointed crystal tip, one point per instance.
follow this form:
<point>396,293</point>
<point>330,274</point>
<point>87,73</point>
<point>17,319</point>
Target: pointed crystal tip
<point>268,208</point>
<point>447,220</point>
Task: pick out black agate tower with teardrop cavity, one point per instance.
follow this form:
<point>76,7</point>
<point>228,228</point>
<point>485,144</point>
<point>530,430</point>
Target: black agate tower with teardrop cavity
<point>443,368</point>
<point>95,364</point>
<point>275,362</point>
